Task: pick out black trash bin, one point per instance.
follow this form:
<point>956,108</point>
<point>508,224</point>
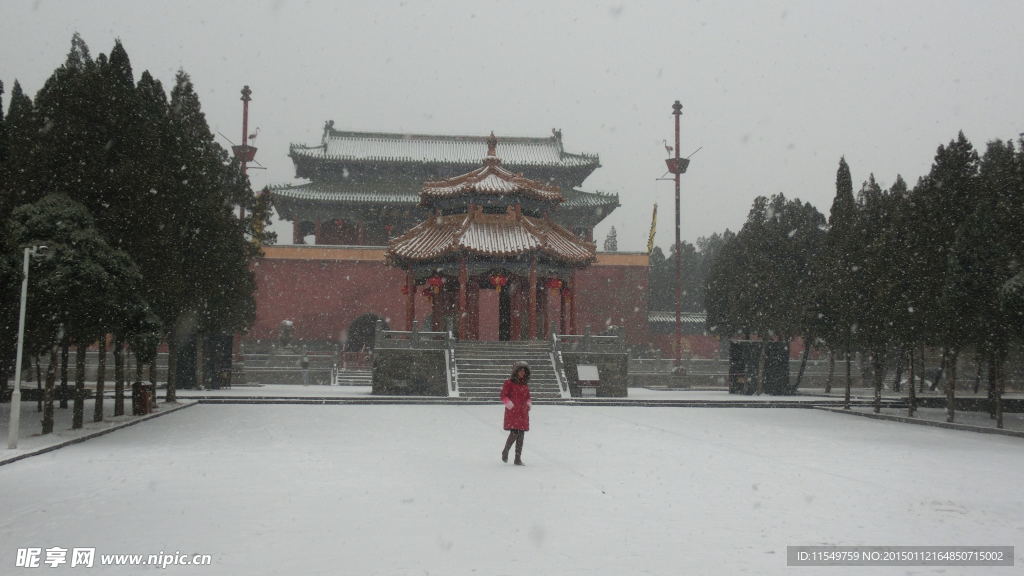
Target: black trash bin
<point>743,367</point>
<point>143,398</point>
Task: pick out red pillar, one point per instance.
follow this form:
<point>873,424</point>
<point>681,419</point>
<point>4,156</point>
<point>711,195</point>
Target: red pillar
<point>572,303</point>
<point>561,308</point>
<point>437,310</point>
<point>473,300</point>
<point>463,280</point>
<point>542,311</point>
<point>532,325</point>
<point>410,303</point>
<point>515,311</point>
<point>316,232</point>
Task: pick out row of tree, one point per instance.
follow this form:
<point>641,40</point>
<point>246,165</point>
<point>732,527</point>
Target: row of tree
<point>135,201</point>
<point>891,271</point>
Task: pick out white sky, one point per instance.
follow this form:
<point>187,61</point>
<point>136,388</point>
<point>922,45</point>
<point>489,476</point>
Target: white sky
<point>775,92</point>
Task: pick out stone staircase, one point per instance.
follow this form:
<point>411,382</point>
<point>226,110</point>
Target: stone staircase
<point>352,377</point>
<point>483,367</point>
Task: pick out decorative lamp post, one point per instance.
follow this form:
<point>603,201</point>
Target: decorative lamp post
<point>677,166</point>
<point>243,152</point>
<point>15,421</point>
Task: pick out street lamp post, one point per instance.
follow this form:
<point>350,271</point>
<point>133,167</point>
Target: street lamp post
<point>15,421</point>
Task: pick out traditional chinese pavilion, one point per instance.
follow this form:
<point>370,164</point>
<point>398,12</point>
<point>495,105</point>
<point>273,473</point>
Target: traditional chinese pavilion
<point>492,229</point>
<point>365,186</point>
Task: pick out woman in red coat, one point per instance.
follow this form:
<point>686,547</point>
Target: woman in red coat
<point>515,395</point>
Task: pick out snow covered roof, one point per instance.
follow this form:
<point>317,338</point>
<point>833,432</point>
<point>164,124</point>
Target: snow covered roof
<point>490,180</point>
<point>692,322</point>
<point>440,149</point>
<point>496,235</point>
<point>326,192</point>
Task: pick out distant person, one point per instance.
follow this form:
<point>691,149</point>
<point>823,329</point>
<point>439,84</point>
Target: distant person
<point>515,395</point>
<point>305,369</point>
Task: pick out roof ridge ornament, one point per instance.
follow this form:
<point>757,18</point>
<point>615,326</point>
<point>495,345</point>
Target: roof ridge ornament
<point>492,151</point>
<point>492,144</point>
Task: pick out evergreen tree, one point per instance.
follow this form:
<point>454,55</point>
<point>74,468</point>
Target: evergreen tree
<point>73,285</point>
<point>840,297</point>
<point>945,195</point>
<point>16,181</point>
<point>611,241</point>
<point>982,260</point>
<point>3,129</point>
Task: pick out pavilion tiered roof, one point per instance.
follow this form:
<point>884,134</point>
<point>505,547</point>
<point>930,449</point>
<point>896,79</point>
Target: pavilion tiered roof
<point>471,231</point>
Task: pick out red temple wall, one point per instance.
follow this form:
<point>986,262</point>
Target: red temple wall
<point>323,289</point>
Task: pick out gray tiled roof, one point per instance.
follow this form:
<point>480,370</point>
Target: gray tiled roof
<point>662,317</point>
<point>328,193</point>
<point>420,148</point>
<point>499,235</point>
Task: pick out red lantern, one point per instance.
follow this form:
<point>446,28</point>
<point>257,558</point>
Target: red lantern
<point>436,282</point>
<point>498,280</point>
<point>554,283</point>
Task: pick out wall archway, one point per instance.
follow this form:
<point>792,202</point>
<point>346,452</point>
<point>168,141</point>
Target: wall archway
<point>360,332</point>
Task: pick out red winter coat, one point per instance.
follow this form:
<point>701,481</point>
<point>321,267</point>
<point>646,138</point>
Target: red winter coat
<point>516,398</point>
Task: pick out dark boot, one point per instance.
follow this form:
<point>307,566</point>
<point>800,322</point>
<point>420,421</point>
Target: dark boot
<point>519,448</point>
<point>508,445</point>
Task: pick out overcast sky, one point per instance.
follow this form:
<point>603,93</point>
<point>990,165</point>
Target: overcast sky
<point>775,92</point>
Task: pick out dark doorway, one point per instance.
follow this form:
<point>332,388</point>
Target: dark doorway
<point>360,332</point>
<point>504,316</point>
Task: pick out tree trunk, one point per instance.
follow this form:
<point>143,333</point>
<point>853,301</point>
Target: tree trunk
<point>831,370</point>
<point>3,375</point>
<point>977,373</point>
<point>200,362</point>
<point>921,370</point>
<point>951,386</point>
<point>101,374</point>
<point>911,390</point>
<point>849,378</point>
<point>760,367</point>
<point>47,395</point>
<point>878,375</point>
<point>803,360</point>
<point>39,386</point>
<point>990,358</point>
<point>172,365</point>
<point>1000,383</point>
<point>64,353</point>
<point>78,411</point>
<point>118,375</point>
<point>900,358</point>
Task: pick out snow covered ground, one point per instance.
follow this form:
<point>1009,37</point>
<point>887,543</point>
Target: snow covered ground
<point>30,426</point>
<point>399,489</point>
<point>1011,420</point>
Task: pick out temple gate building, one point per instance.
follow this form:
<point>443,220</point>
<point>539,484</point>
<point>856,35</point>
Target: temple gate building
<point>492,229</point>
<point>397,228</point>
<point>364,186</point>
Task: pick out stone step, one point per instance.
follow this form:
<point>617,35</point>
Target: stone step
<point>503,349</point>
<point>534,372</point>
<point>498,381</point>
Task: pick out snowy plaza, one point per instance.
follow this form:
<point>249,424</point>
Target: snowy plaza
<point>420,489</point>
